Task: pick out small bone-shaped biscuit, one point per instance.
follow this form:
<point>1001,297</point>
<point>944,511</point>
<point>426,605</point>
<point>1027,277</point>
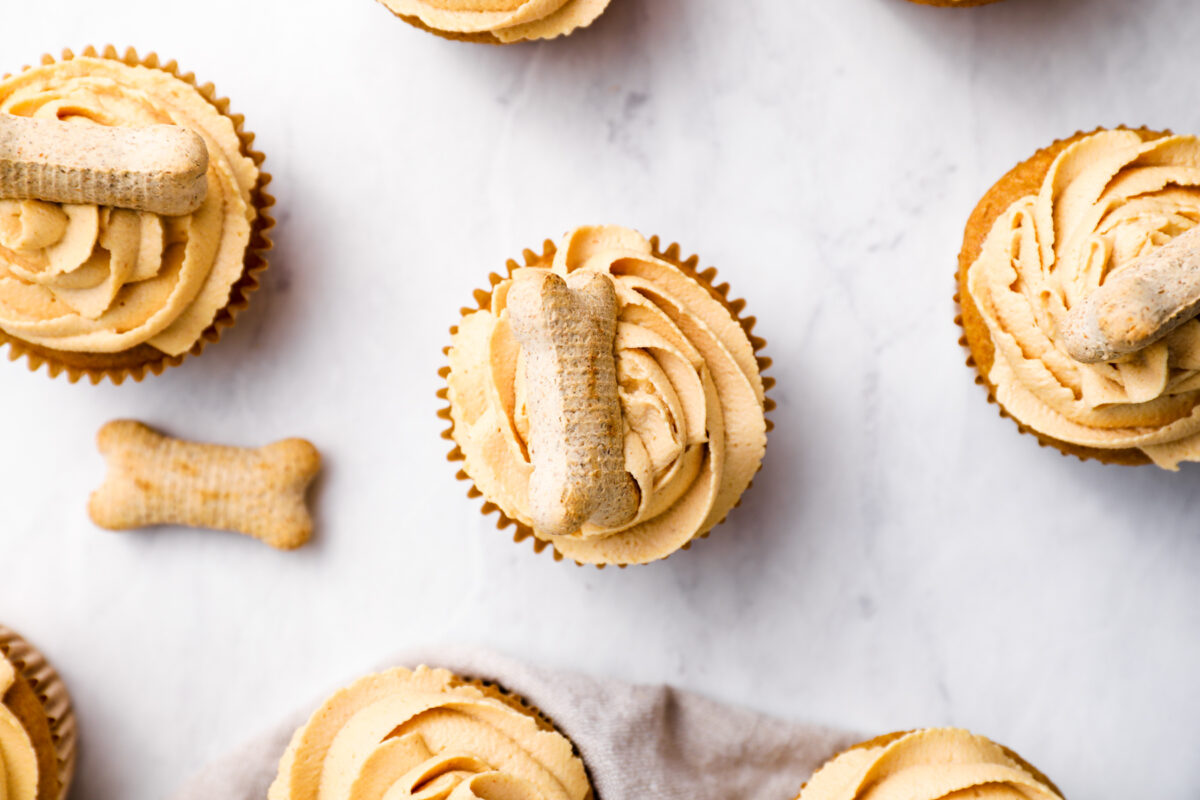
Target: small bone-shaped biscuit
<point>566,330</point>
<point>1138,305</point>
<point>158,168</point>
<point>156,480</point>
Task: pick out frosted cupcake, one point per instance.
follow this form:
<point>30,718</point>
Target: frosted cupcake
<point>931,764</point>
<point>499,22</point>
<point>1051,237</point>
<point>678,431</point>
<point>37,725</point>
<point>428,734</point>
<point>101,291</point>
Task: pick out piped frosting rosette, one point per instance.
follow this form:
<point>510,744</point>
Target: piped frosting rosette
<point>98,283</point>
<point>691,395</point>
<point>501,21</point>
<point>931,764</point>
<point>428,735</point>
<point>1107,199</point>
<point>37,725</point>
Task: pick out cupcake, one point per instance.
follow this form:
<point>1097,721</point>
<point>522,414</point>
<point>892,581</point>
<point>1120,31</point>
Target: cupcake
<point>37,726</point>
<point>427,733</point>
<point>1055,231</point>
<point>677,432</point>
<point>931,764</point>
<point>502,22</point>
<point>101,291</point>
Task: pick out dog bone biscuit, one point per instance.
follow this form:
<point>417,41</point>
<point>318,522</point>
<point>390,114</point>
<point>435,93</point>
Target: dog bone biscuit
<point>1139,304</point>
<point>156,480</point>
<point>566,329</point>
<point>159,168</point>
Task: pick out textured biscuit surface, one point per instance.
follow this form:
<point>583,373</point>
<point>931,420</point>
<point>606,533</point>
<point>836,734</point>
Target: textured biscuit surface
<point>156,480</point>
<point>1139,304</point>
<point>566,329</point>
<point>159,168</point>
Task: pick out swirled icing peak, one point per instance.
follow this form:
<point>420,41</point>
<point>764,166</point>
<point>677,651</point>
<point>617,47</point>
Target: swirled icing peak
<point>932,764</point>
<point>85,278</point>
<point>19,774</point>
<point>692,401</point>
<point>507,20</point>
<point>426,735</point>
<point>1107,199</point>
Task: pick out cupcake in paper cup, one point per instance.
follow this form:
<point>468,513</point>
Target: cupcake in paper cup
<point>501,22</point>
<point>930,764</point>
<point>1073,249</point>
<point>37,725</point>
<point>427,733</point>
<point>100,290</point>
<point>607,398</point>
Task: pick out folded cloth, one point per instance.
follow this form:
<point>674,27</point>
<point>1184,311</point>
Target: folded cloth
<point>638,742</point>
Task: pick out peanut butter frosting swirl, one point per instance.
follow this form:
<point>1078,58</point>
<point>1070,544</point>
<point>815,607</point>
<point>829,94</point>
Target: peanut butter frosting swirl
<point>426,735</point>
<point>506,20</point>
<point>1107,199</point>
<point>84,278</point>
<point>19,773</point>
<point>934,764</point>
<point>691,395</point>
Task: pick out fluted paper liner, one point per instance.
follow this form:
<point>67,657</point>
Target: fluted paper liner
<point>144,359</point>
<point>483,298</point>
<point>478,37</point>
<point>482,37</point>
<point>888,738</point>
<point>522,705</point>
<point>34,669</point>
<point>1022,180</point>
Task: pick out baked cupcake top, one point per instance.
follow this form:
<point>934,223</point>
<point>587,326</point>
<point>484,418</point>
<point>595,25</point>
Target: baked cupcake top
<point>691,397</point>
<point>84,278</point>
<point>20,775</point>
<point>932,764</point>
<point>424,733</point>
<point>506,20</point>
<point>1108,198</point>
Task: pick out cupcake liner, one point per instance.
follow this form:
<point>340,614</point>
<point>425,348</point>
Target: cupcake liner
<point>522,705</point>
<point>888,738</point>
<point>144,359</point>
<point>51,692</point>
<point>1021,181</point>
<point>476,38</point>
<point>483,298</point>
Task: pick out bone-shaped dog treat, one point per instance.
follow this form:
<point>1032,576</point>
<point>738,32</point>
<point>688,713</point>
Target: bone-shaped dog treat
<point>156,480</point>
<point>577,434</point>
<point>1138,305</point>
<point>159,168</point>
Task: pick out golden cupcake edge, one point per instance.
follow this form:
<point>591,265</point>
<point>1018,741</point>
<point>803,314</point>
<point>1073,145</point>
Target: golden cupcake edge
<point>707,278</point>
<point>43,691</point>
<point>144,360</point>
<point>1022,180</point>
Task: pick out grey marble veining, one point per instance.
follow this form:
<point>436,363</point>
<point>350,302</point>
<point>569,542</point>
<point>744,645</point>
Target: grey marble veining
<point>905,558</point>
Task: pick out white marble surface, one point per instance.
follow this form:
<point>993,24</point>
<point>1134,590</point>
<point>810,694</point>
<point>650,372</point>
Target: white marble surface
<point>905,558</point>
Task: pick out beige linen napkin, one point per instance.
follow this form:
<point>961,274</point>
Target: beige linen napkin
<point>639,742</point>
